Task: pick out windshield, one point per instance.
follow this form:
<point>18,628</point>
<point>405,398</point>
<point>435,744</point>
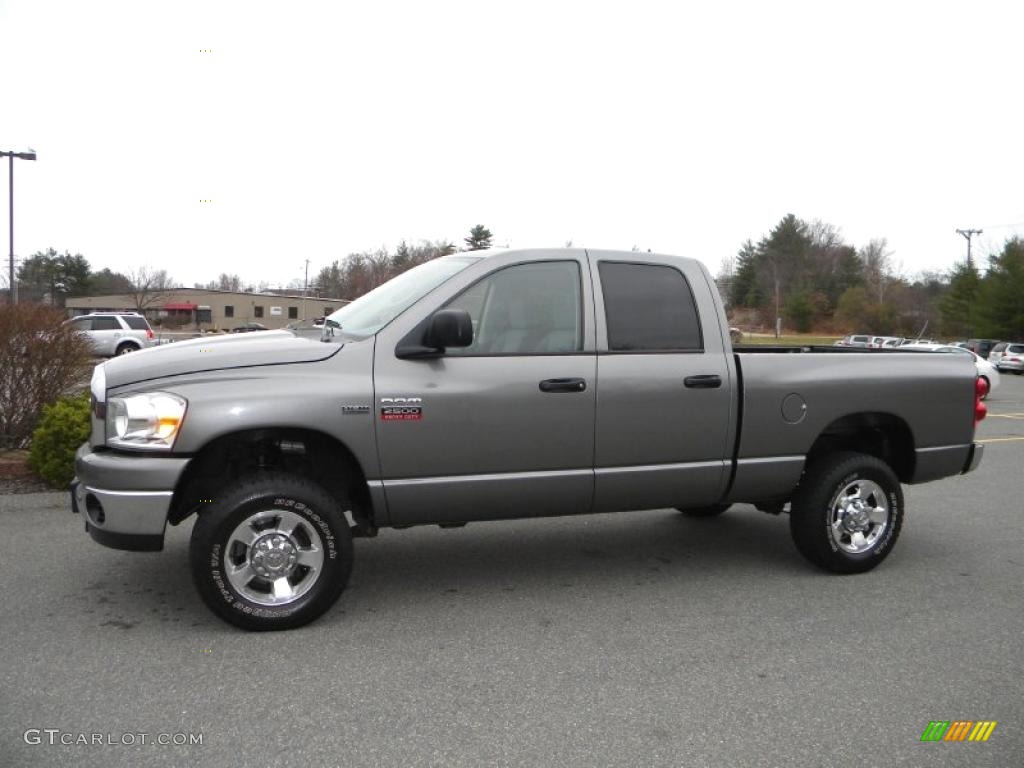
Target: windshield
<point>372,311</point>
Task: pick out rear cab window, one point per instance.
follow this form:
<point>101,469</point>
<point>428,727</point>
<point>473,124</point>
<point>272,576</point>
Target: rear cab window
<point>649,308</point>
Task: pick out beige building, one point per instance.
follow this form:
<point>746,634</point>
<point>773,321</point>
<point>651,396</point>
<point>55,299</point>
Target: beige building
<point>211,310</point>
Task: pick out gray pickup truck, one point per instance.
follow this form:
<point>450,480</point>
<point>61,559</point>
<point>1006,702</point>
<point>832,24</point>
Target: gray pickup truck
<point>505,384</point>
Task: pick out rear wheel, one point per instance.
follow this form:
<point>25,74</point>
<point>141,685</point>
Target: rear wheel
<point>847,513</point>
<point>274,551</point>
<point>124,349</point>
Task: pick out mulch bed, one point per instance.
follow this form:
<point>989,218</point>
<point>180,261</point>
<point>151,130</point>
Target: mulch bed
<point>16,477</point>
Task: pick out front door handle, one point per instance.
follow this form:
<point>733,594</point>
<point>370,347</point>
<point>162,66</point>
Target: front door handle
<point>704,381</point>
<point>563,385</point>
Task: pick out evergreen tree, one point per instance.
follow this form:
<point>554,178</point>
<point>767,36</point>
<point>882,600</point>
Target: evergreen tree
<point>105,282</point>
<point>956,308</point>
<point>48,275</point>
<point>783,261</point>
<point>1000,306</point>
<point>745,291</point>
<point>479,238</point>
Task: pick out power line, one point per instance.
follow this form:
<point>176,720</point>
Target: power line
<point>1004,226</point>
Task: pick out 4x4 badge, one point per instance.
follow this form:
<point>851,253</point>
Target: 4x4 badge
<point>354,410</point>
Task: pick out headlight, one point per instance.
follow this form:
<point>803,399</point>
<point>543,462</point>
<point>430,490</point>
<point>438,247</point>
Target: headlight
<point>147,422</point>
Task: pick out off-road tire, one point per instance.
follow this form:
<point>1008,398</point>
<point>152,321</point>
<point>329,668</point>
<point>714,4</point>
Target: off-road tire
<point>266,493</point>
<point>812,513</point>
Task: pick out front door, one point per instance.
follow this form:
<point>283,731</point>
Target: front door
<point>502,428</point>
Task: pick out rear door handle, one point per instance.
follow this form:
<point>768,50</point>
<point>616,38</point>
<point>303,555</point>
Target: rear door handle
<point>704,381</point>
<point>563,385</point>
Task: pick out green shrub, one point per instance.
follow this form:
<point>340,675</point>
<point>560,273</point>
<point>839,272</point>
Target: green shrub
<point>64,426</point>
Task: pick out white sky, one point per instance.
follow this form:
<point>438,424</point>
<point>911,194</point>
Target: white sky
<point>318,129</point>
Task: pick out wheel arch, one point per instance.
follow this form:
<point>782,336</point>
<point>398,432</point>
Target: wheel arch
<point>883,435</point>
<point>309,453</point>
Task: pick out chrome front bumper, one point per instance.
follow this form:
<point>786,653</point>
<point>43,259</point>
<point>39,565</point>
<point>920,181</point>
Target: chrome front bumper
<point>124,499</point>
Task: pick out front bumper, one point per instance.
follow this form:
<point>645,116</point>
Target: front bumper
<point>125,499</point>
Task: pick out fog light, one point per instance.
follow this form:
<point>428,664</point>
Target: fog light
<point>95,510</point>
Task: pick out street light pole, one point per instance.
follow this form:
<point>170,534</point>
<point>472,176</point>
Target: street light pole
<point>30,155</point>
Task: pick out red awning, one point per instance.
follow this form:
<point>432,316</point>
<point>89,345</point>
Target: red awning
<point>180,305</point>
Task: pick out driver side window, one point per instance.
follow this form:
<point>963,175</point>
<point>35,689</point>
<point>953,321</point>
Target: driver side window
<point>527,309</point>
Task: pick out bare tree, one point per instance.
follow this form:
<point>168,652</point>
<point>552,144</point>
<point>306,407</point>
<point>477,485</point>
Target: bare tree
<point>149,286</point>
<point>226,282</point>
<point>877,260</point>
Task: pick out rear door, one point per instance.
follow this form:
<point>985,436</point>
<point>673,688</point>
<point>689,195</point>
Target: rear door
<point>138,329</point>
<point>505,427</point>
<point>106,333</point>
<point>665,407</point>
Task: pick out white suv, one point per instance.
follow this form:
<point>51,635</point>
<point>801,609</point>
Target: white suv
<point>114,333</point>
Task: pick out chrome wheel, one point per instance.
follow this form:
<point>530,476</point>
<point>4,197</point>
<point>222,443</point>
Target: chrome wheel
<point>858,516</point>
<point>274,557</point>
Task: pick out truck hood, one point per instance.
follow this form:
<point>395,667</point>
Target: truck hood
<point>215,353</point>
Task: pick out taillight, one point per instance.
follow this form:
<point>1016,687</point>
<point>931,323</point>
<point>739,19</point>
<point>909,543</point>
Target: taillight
<point>149,333</point>
<point>980,390</point>
<point>1013,359</point>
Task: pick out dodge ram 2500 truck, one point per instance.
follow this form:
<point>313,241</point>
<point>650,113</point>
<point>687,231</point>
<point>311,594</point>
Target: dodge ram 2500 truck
<point>505,384</point>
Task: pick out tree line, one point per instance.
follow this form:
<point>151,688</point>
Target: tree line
<point>807,275</point>
<point>50,277</point>
<point>802,272</point>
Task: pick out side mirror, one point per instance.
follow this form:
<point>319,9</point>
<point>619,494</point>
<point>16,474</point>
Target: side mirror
<point>449,328</point>
<point>445,328</point>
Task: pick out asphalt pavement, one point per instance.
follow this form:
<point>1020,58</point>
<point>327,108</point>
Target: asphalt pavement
<point>635,639</point>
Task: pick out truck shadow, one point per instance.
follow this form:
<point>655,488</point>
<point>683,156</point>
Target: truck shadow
<point>592,552</point>
<point>427,566</point>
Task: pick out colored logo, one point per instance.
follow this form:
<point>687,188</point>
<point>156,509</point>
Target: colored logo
<point>958,730</point>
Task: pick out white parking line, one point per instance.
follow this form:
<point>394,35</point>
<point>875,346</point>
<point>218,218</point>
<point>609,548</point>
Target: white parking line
<point>1000,440</point>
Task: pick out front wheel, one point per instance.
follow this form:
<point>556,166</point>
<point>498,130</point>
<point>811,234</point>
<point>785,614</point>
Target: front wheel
<point>274,551</point>
<point>847,513</point>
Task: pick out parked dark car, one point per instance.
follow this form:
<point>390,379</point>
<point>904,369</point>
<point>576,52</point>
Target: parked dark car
<point>981,347</point>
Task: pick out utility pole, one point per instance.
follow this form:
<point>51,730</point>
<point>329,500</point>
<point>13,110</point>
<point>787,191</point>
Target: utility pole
<point>968,234</point>
<point>305,290</point>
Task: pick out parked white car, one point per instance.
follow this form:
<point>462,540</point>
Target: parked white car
<point>880,342</point>
<point>986,370</point>
<point>1008,356</point>
<point>854,341</point>
<point>114,333</point>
